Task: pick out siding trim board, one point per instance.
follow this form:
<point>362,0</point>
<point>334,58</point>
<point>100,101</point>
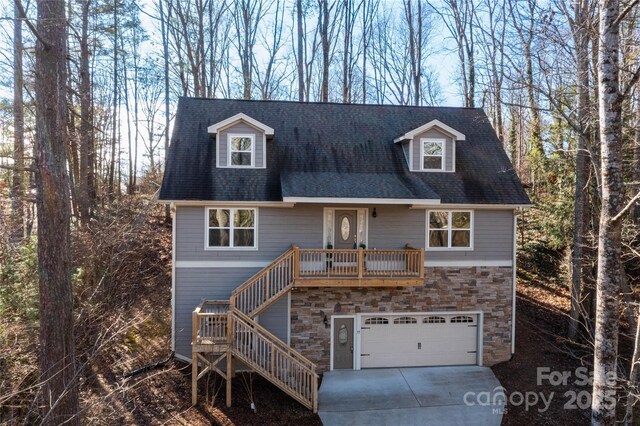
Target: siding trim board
<point>329,200</point>
<point>467,263</point>
<point>220,264</point>
<point>215,128</point>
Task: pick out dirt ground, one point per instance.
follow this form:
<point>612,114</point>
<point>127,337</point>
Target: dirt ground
<point>524,377</point>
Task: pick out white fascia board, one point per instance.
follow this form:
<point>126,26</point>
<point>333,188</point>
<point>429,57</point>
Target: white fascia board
<point>330,200</point>
<point>476,206</point>
<point>277,204</point>
<point>214,128</point>
<point>433,123</point>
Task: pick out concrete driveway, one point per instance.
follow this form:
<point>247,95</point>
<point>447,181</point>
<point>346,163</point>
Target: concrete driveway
<point>410,396</point>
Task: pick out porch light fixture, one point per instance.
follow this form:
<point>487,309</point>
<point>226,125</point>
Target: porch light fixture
<point>375,213</point>
<point>325,320</point>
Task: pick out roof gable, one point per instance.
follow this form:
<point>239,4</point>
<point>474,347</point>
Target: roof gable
<point>430,125</point>
<point>215,128</point>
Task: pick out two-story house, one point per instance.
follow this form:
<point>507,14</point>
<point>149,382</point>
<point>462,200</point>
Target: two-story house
<point>309,237</point>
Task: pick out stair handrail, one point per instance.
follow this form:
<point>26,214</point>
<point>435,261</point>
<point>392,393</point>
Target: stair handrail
<point>239,315</point>
<point>262,273</point>
<point>305,394</point>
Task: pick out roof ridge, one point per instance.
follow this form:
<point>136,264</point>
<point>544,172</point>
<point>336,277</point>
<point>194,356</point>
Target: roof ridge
<point>330,103</point>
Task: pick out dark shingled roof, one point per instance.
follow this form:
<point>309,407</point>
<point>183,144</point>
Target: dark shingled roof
<point>336,150</point>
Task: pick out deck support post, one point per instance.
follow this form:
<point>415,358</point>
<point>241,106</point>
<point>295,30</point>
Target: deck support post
<point>194,358</point>
<point>194,378</point>
<point>229,371</point>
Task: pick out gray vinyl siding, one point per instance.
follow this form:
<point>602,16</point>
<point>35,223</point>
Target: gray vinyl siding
<point>449,151</point>
<point>406,148</point>
<point>493,239</point>
<point>276,319</point>
<point>393,228</point>
<point>278,229</point>
<point>396,226</point>
<point>193,285</point>
<point>240,127</point>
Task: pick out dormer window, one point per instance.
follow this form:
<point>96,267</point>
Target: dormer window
<point>432,154</point>
<point>241,142</point>
<point>241,150</point>
<point>431,147</point>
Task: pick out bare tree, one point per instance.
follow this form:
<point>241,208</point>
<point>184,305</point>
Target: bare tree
<point>56,337</point>
<point>610,273</point>
<point>86,181</point>
<point>300,50</point>
<point>459,17</point>
<point>247,14</point>
<point>524,23</point>
<point>268,74</point>
<point>415,46</point>
<point>579,25</point>
<point>17,184</point>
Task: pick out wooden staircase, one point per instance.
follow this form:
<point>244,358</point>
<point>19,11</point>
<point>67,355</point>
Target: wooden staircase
<point>224,330</point>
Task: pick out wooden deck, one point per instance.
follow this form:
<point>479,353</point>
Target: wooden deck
<point>359,268</point>
<point>226,330</point>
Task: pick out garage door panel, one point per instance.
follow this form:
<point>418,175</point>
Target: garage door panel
<point>444,339</point>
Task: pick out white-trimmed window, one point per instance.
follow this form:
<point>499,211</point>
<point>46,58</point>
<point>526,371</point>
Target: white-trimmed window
<point>241,150</point>
<point>451,230</point>
<point>231,228</point>
<point>432,154</point>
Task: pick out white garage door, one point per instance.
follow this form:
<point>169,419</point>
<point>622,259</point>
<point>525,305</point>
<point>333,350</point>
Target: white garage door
<point>418,340</point>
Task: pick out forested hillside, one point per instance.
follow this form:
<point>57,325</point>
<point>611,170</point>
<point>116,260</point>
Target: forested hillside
<point>88,90</point>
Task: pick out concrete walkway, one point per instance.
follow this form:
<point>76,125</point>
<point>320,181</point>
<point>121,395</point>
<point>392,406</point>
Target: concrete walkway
<point>410,396</point>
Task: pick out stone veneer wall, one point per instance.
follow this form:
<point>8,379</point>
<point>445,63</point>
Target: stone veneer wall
<point>486,289</point>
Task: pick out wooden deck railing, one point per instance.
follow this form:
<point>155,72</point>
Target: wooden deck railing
<point>274,360</point>
<point>210,322</point>
<point>360,263</point>
<point>266,287</point>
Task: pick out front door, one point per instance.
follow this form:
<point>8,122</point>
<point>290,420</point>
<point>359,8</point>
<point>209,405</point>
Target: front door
<point>346,229</point>
<point>343,343</point>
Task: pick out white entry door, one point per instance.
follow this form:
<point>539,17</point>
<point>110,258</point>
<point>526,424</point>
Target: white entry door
<point>410,340</point>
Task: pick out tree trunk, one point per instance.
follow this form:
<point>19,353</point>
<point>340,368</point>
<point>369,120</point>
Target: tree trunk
<point>609,275</point>
<point>633,393</point>
<point>17,184</point>
<point>581,39</point>
<point>116,103</point>
<point>635,215</point>
<point>86,118</point>
<point>56,337</point>
<point>167,110</point>
<point>324,37</point>
<point>301,50</point>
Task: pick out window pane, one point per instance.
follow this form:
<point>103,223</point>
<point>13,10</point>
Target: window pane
<point>243,237</point>
<point>460,238</point>
<point>438,220</point>
<point>432,163</point>
<point>461,220</point>
<point>438,238</point>
<point>432,148</point>
<point>218,238</point>
<point>241,158</point>
<point>219,218</point>
<point>243,218</point>
<point>241,144</point>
